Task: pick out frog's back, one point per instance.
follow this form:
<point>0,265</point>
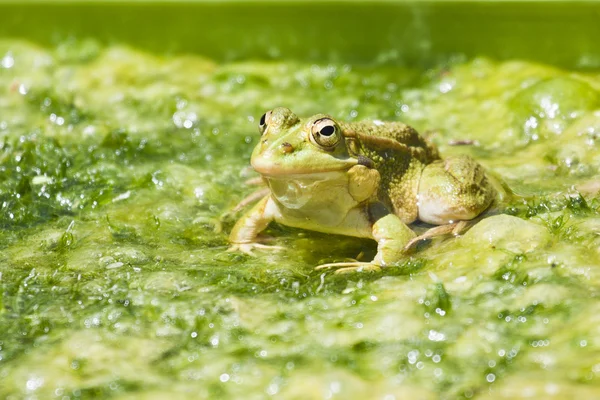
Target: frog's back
<point>399,153</point>
<point>390,132</point>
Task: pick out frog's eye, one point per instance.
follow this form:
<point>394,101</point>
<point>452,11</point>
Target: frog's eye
<point>325,133</point>
<point>264,121</point>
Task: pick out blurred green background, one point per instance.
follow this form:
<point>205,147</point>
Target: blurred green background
<point>563,33</point>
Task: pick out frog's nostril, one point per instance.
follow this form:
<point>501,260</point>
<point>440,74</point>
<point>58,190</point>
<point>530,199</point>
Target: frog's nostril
<point>287,148</point>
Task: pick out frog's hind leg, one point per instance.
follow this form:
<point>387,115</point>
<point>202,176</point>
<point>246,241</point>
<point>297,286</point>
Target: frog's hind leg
<point>452,190</point>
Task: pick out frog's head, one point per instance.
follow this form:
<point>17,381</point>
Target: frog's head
<point>293,146</point>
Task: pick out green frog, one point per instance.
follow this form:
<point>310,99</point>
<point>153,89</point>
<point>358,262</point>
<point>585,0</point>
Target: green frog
<point>367,179</point>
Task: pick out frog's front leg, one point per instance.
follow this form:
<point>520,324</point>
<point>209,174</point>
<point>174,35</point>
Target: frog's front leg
<point>244,234</point>
<point>391,234</point>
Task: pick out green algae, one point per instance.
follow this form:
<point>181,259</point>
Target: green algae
<point>119,171</point>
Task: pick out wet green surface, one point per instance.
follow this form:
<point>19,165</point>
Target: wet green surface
<point>419,33</point>
<point>116,167</point>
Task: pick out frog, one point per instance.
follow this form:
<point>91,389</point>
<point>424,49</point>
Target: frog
<point>370,179</point>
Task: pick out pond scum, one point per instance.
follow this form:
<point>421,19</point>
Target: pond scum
<point>119,171</point>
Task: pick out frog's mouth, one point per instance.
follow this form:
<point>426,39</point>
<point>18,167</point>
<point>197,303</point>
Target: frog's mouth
<point>269,168</point>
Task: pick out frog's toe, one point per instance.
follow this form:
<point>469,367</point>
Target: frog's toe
<point>349,267</point>
<point>268,247</point>
<point>360,268</point>
<point>248,248</point>
<point>245,248</point>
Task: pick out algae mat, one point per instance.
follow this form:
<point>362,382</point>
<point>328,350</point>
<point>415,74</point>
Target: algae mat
<point>119,170</point>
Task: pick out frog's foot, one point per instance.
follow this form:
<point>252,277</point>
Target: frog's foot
<point>455,229</point>
<point>353,266</point>
<point>248,248</point>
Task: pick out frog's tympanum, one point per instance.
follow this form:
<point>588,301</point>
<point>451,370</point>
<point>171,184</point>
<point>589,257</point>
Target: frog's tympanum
<point>366,179</point>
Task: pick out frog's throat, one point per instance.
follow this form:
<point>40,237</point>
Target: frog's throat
<point>272,169</point>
